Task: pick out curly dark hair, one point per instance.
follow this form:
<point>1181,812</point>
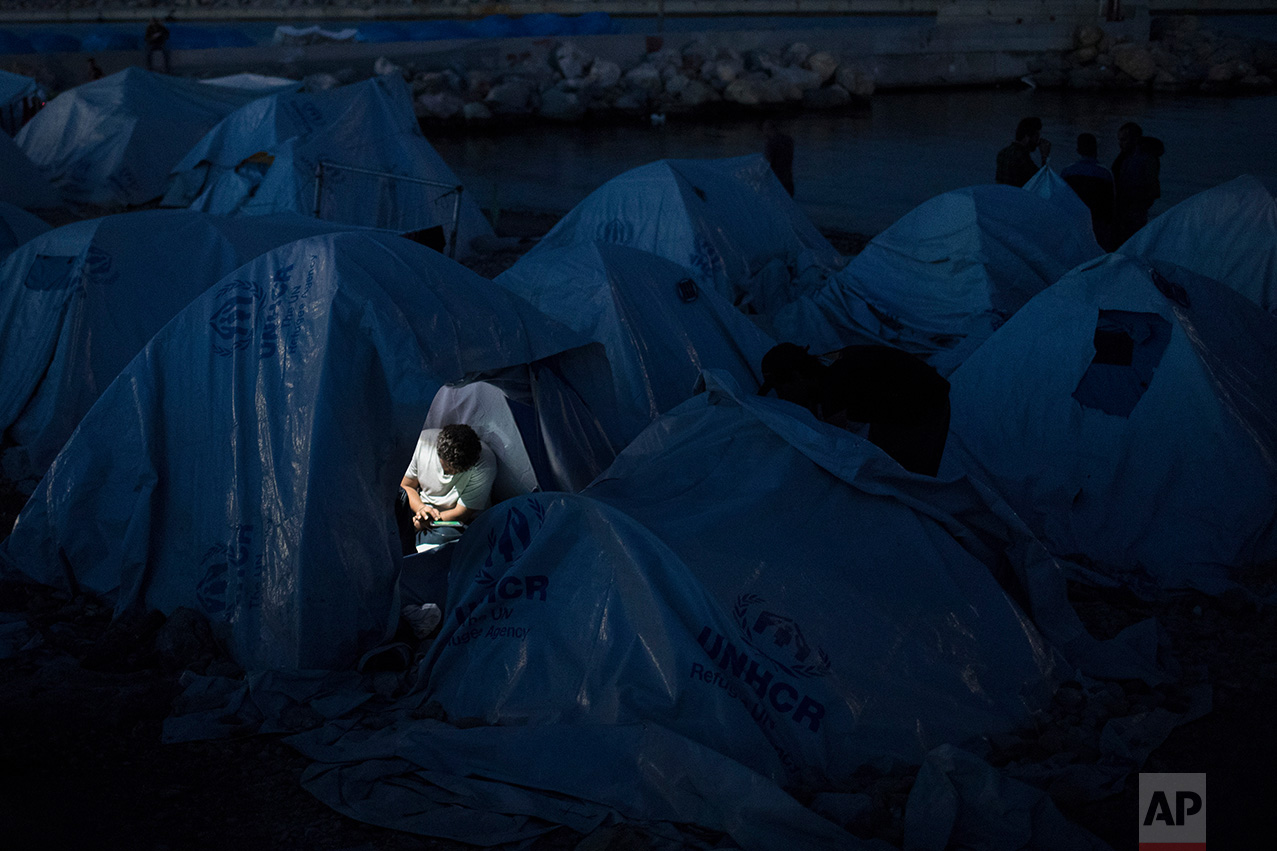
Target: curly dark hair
<point>459,447</point>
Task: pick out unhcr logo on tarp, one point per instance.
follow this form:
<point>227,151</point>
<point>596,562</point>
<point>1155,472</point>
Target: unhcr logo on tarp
<point>232,320</point>
<point>748,672</point>
<point>230,571</point>
<point>779,638</point>
<point>497,583</point>
<point>279,307</point>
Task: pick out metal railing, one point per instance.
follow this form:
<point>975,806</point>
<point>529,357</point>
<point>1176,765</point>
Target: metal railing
<point>453,189</point>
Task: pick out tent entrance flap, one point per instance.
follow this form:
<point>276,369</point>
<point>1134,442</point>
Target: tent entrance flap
<point>386,187</point>
<point>1128,348</point>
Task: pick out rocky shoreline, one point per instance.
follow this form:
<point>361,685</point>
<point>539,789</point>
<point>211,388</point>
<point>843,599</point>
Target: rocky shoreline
<point>1181,55</point>
<point>702,80</point>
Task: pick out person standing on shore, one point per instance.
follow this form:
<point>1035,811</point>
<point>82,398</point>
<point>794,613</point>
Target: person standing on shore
<point>1015,161</point>
<point>1093,183</point>
<point>1136,177</point>
<point>156,38</point>
<point>778,148</point>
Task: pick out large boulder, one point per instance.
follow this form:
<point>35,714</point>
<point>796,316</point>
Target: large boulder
<point>442,105</point>
<point>571,61</point>
<point>825,65</point>
<point>511,96</point>
<point>744,91</point>
<point>561,105</point>
<point>1087,35</point>
<point>1136,60</point>
<point>826,97</point>
<point>697,93</point>
<point>644,77</point>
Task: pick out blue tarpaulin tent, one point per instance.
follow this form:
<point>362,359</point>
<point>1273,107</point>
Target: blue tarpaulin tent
<point>246,462</point>
<point>1129,414</point>
<point>112,142</point>
<point>264,157</point>
<point>729,221</point>
<point>943,277</point>
<point>77,303</point>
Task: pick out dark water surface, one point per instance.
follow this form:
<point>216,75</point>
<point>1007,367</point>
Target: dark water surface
<point>862,173</point>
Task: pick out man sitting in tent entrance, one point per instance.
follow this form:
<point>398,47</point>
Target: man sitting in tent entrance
<point>448,482</point>
<point>904,401</point>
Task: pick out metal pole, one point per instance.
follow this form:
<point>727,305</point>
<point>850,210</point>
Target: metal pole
<point>319,185</point>
<point>456,224</point>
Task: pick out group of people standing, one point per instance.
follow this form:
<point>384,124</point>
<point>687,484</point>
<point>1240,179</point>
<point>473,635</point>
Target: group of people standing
<point>1118,198</point>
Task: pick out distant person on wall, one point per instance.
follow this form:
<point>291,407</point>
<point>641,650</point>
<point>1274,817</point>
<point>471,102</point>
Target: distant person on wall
<point>1093,183</point>
<point>778,148</point>
<point>1136,177</point>
<point>903,400</point>
<point>1015,162</point>
<point>156,38</point>
<point>95,71</point>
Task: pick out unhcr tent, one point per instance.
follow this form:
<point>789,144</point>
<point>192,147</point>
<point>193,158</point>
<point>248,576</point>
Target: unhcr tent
<point>1228,233</point>
<point>729,221</point>
<point>658,327</point>
<point>13,89</point>
<point>21,183</point>
<point>378,170</point>
<point>17,226</point>
<point>246,462</point>
<point>1129,414</point>
<point>687,642</point>
<point>112,142</point>
<point>946,275</point>
<point>77,303</point>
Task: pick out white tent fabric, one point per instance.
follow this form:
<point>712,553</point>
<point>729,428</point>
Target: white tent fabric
<point>21,183</point>
<point>251,81</point>
<point>483,407</point>
<point>17,227</point>
<point>112,142</point>
<point>728,220</point>
<point>1228,233</point>
<point>681,609</point>
<point>945,276</point>
<point>13,88</point>
<point>77,303</point>
<point>1129,415</point>
<point>246,462</point>
<point>656,342</point>
<point>368,125</point>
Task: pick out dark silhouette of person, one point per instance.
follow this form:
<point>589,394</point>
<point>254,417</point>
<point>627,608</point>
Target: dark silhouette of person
<point>95,71</point>
<point>1015,161</point>
<point>904,401</point>
<point>1137,179</point>
<point>156,38</point>
<point>1093,183</point>
<point>778,148</point>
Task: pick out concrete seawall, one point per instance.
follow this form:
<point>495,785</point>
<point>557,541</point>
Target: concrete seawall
<point>953,46</point>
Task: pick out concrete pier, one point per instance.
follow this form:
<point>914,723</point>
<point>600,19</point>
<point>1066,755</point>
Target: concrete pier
<point>925,43</point>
